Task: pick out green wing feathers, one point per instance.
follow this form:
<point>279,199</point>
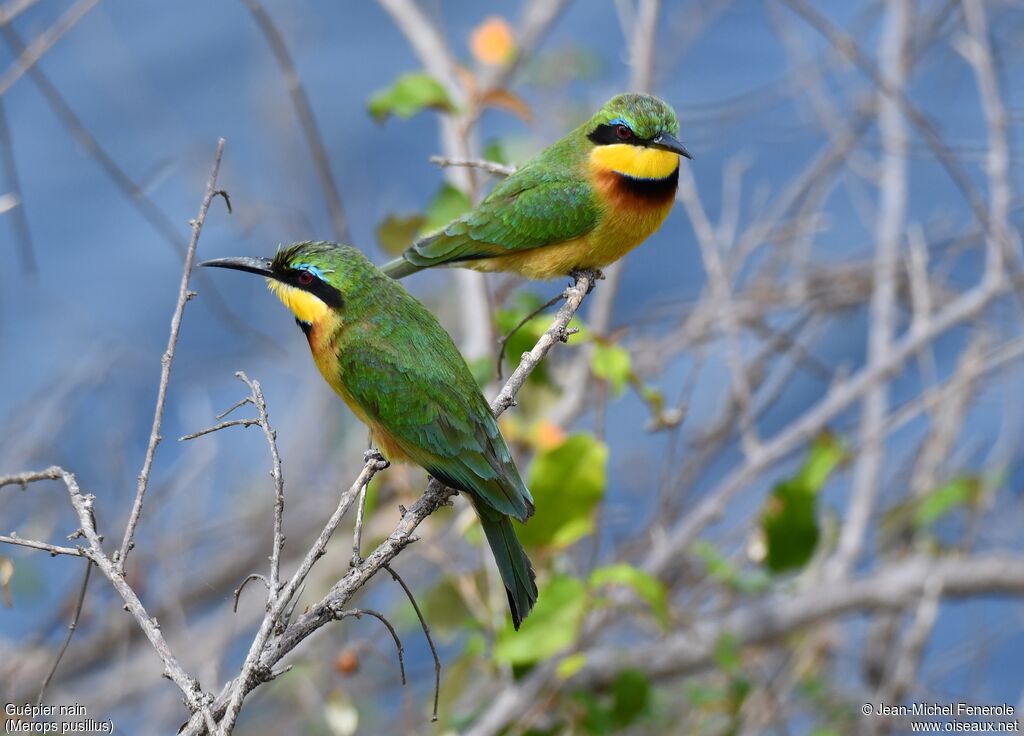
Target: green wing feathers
<point>418,388</point>
<point>530,209</point>
<point>411,380</point>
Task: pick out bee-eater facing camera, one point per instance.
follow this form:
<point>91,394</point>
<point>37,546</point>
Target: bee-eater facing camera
<point>400,374</point>
<point>582,203</point>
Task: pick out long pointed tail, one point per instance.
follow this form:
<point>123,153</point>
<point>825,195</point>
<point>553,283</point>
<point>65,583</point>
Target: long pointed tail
<point>513,564</point>
<point>399,268</point>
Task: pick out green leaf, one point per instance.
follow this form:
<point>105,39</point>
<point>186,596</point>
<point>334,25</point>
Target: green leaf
<point>567,483</point>
<point>643,584</point>
<point>494,150</point>
<point>551,627</point>
<point>826,453</point>
<point>723,571</point>
<point>449,203</point>
<point>611,363</point>
<point>397,232</point>
<point>571,665</point>
<point>727,654</point>
<point>631,693</point>
<point>789,522</point>
<point>946,498</point>
<point>407,95</point>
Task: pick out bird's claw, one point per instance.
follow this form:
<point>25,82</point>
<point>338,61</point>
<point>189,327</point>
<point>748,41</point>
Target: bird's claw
<point>373,454</point>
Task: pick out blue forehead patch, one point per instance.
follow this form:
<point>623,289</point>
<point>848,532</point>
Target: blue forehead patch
<point>311,268</point>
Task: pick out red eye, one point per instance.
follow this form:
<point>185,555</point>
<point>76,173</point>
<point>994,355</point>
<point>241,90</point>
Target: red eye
<point>305,278</point>
<point>623,132</point>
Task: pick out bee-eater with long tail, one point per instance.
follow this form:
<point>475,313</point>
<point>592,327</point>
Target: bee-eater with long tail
<point>400,373</point>
<point>582,203</point>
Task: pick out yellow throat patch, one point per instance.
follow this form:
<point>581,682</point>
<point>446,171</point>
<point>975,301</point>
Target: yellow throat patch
<point>304,305</point>
<point>638,162</point>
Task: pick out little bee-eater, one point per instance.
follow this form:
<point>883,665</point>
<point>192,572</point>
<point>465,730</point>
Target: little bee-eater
<point>582,203</point>
<point>400,373</point>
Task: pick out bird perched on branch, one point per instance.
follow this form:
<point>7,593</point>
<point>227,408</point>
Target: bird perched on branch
<point>581,203</point>
<point>400,374</point>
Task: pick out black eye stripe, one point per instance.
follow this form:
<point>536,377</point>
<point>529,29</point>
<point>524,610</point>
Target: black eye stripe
<point>308,281</point>
<point>605,134</point>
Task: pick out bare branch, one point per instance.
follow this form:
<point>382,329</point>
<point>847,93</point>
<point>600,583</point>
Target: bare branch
<point>426,632</point>
<point>165,362</point>
<point>53,549</point>
<point>491,167</point>
<point>219,427</point>
<point>888,234</point>
<point>23,479</point>
<point>359,612</point>
<point>71,632</point>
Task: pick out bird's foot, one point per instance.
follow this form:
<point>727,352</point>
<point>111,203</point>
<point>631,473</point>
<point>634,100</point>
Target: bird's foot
<point>374,454</point>
<point>593,275</point>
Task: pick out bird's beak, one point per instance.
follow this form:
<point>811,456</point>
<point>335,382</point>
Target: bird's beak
<point>668,142</point>
<point>260,266</point>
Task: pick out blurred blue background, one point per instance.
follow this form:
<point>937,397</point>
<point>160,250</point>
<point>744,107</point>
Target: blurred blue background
<point>158,83</point>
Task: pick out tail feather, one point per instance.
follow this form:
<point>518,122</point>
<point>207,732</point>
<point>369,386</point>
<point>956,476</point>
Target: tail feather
<point>513,564</point>
<point>399,268</point>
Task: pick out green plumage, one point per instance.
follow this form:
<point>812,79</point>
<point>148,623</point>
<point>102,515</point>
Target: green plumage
<point>544,202</point>
<point>388,357</point>
<point>549,200</point>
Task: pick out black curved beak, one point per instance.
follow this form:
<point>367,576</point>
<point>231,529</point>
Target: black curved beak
<point>260,266</point>
<point>668,142</point>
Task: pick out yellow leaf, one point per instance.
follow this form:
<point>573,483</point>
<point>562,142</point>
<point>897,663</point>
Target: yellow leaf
<point>492,41</point>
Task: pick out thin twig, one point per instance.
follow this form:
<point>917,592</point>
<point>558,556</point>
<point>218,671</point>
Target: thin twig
<point>23,479</point>
<point>574,295</point>
<point>71,632</point>
<point>165,362</point>
<point>426,632</point>
<point>277,474</point>
<point>503,342</point>
<point>219,427</point>
<point>491,167</point>
<point>358,612</point>
<point>357,533</point>
<point>195,698</point>
<point>237,405</point>
<point>53,549</point>
<point>249,578</point>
